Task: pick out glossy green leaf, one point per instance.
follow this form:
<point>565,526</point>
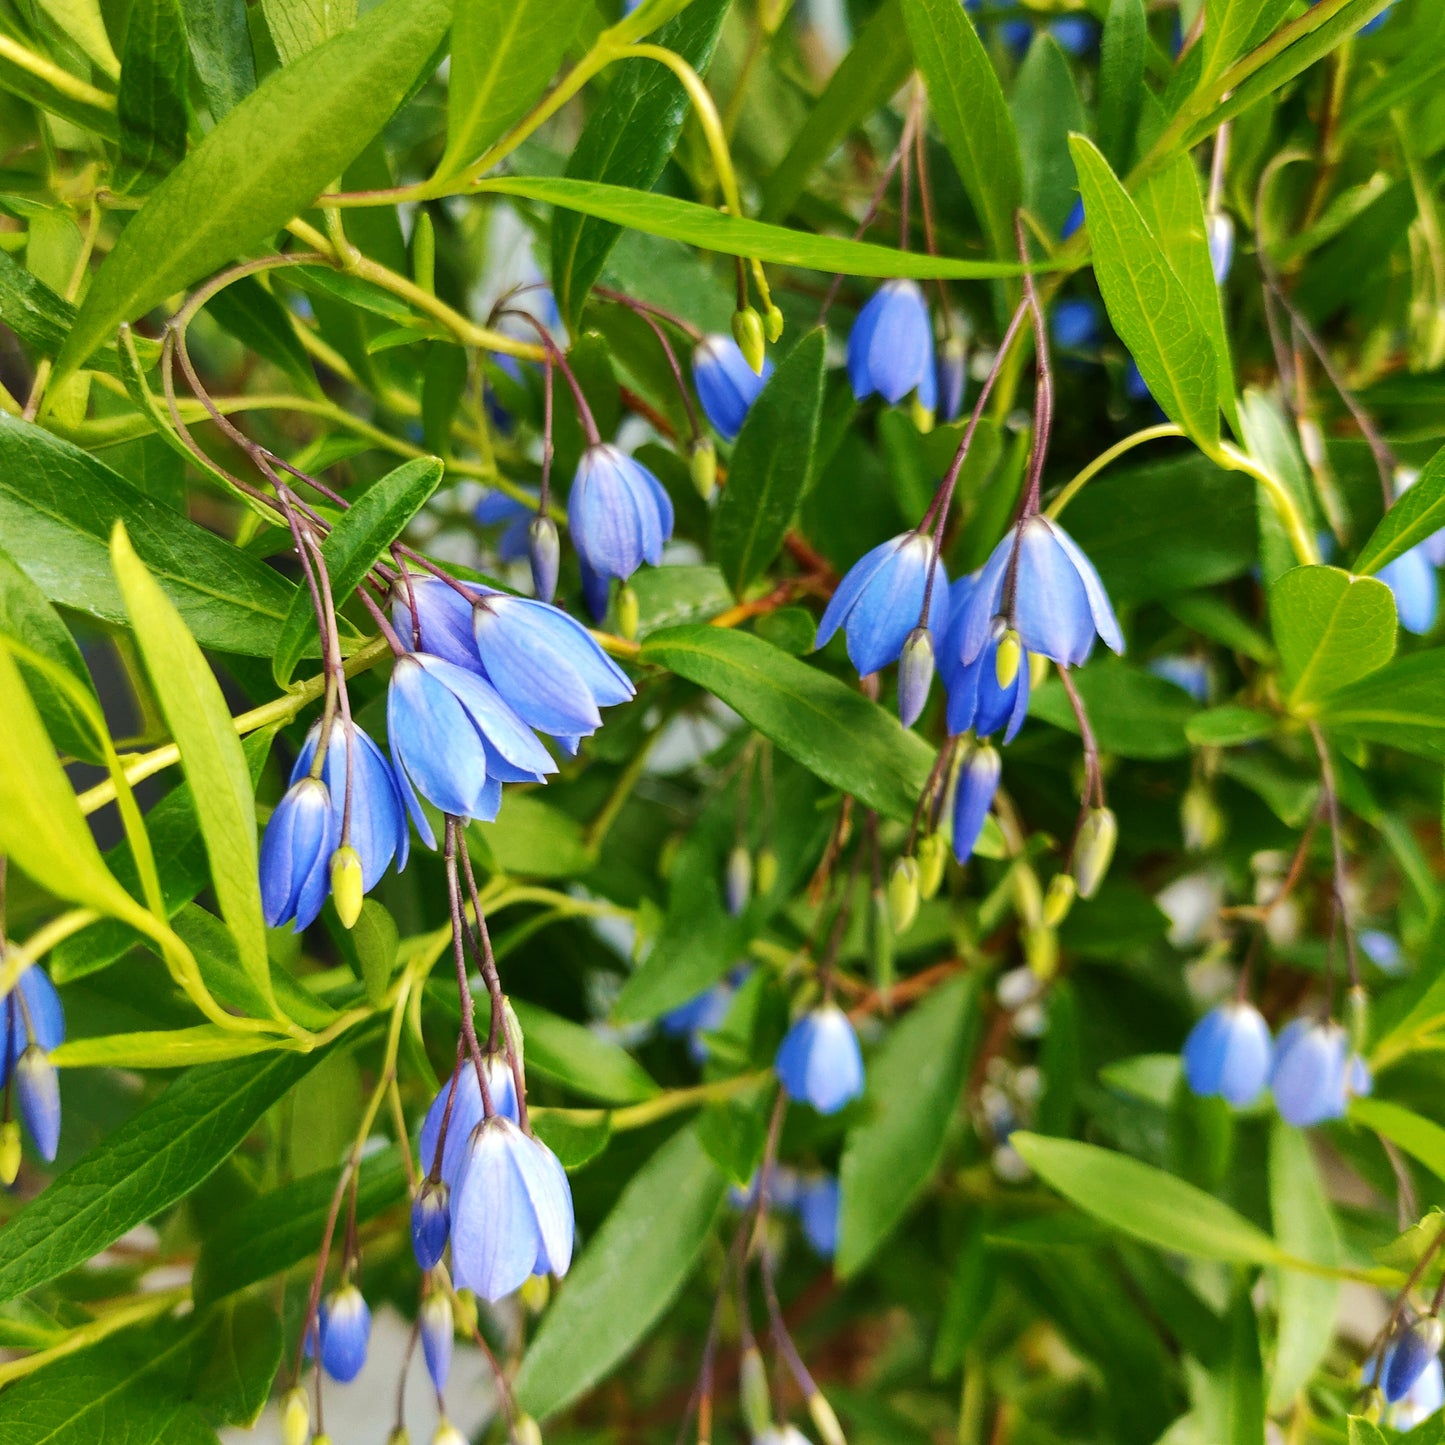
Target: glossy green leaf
<point>58,506</point>
<point>1145,1202</point>
<point>199,720</point>
<point>1121,80</point>
<point>361,534</point>
<point>769,467</point>
<point>1133,712</point>
<point>1331,629</point>
<point>1228,726</point>
<point>280,1229</point>
<point>1399,705</point>
<point>1272,439</point>
<point>1417,70</point>
<point>872,70</point>
<point>221,49</point>
<point>153,1159</point>
<point>1419,514</point>
<point>626,144</point>
<point>534,840</point>
<point>1365,1432</point>
<point>969,108</point>
<point>151,101</point>
<point>239,1353</point>
<point>1230,26</point>
<point>1045,106</point>
<point>1147,302</point>
<point>39,316</point>
<point>297,26</point>
<point>579,1059</point>
<point>268,159</point>
<point>82,22</point>
<point>91,109</point>
<point>629,1272</point>
<point>913,1085</point>
<point>826,725</point>
<point>660,215</point>
<point>1421,1138</point>
<point>1304,1226</point>
<point>27,618</point>
<point>260,322</point>
<point>503,54</point>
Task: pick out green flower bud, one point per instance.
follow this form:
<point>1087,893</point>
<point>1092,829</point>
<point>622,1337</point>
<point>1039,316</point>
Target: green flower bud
<point>1041,952</point>
<point>1094,850</point>
<point>773,323</point>
<point>1357,1018</point>
<point>295,1417</point>
<point>1059,899</point>
<point>346,886</point>
<point>9,1152</point>
<point>748,333</point>
<point>903,894</point>
<point>704,467</point>
<point>527,1431</point>
<point>424,253</point>
<point>1199,818</point>
<point>825,1422</point>
<point>399,1436</point>
<point>932,857</point>
<point>629,612</point>
<point>765,872</point>
<point>757,1407</point>
<point>738,880</point>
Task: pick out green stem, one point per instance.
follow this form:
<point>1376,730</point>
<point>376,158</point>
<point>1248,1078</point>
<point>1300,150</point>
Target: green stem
<point>1104,459</point>
<point>1301,538</point>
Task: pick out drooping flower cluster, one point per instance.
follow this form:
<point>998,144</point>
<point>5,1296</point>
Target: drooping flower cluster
<point>34,1027</point>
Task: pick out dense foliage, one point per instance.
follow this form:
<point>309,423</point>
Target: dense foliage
<point>721,719</point>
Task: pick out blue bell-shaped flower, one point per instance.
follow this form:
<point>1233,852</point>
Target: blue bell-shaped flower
<point>1228,1053</point>
<point>819,1061</point>
<point>1075,324</point>
<point>546,666</point>
<point>1076,34</point>
<point>817,1202</point>
<point>345,1326</point>
<point>466,1114</point>
<point>455,741</point>
<point>915,675</point>
<point>699,1016</point>
<point>618,513</point>
<point>1314,1076</point>
<point>973,797</point>
<point>952,378</point>
<point>726,385</point>
<point>880,600</point>
<point>513,1212</point>
<point>1058,606</point>
<point>437,618</point>
<point>431,1220</point>
<point>37,1089</point>
<point>890,348</point>
<point>1409,1356</point>
<point>378,814</point>
<point>976,702</point>
<point>296,851</point>
<point>1073,220</point>
<point>1220,228</point>
<point>514,517</point>
<point>438,1332</point>
<point>42,1010</point>
<point>1411,577</point>
<point>1189,673</point>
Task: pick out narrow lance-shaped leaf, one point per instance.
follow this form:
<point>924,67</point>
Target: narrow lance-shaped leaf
<point>151,102</point>
<point>1418,515</point>
<point>200,722</point>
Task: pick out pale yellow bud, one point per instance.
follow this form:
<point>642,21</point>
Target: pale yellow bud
<point>346,884</point>
<point>773,323</point>
<point>704,467</point>
<point>825,1422</point>
<point>765,872</point>
<point>1059,899</point>
<point>903,893</point>
<point>932,857</point>
<point>527,1431</point>
<point>748,333</point>
<point>757,1406</point>
<point>9,1152</point>
<point>295,1417</point>
<point>1094,850</point>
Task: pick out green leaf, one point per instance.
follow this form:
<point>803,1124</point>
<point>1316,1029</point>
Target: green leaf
<point>373,939</point>
<point>503,54</point>
<point>630,1271</point>
<point>1416,70</point>
<point>1133,712</point>
<point>90,109</point>
<point>1399,705</point>
<point>36,314</point>
<point>260,322</point>
<point>200,723</point>
<point>360,535</point>
<point>873,69</point>
<point>575,1136</point>
<point>579,1059</point>
<point>151,101</point>
<point>280,1229</point>
<point>1046,107</point>
<point>534,840</point>
<point>58,506</point>
<point>1173,209</point>
<point>1121,80</point>
<point>1148,303</point>
<point>1146,1202</point>
<point>769,468</point>
<point>660,215</point>
<point>264,162</point>
<point>1365,1432</point>
<point>1231,26</point>
<point>1303,1225</point>
<point>1331,629</point>
<point>82,22</point>
<point>221,49</point>
<point>240,1352</point>
<point>1228,726</point>
<point>1273,440</point>
<point>626,143</point>
<point>153,1159</point>
<point>1419,514</point>
<point>827,726</point>
<point>914,1082</point>
<point>968,104</point>
<point>27,618</point>
<point>298,26</point>
<point>1422,1139</point>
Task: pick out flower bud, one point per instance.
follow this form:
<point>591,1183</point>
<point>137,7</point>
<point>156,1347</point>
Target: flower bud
<point>346,885</point>
<point>765,872</point>
<point>295,1417</point>
<point>756,1405</point>
<point>932,856</point>
<point>903,894</point>
<point>399,1436</point>
<point>629,612</point>
<point>773,323</point>
<point>526,1431</point>
<point>825,1422</point>
<point>438,1330</point>
<point>1409,1355</point>
<point>915,675</point>
<point>430,1223</point>
<point>9,1152</point>
<point>738,882</point>
<point>448,1434</point>
<point>514,1032</point>
<point>322,1439</point>
<point>1094,849</point>
<point>1041,951</point>
<point>1199,818</point>
<point>748,333</point>
<point>1007,658</point>
<point>545,549</point>
<point>1059,899</point>
<point>1312,443</point>
<point>424,252</point>
<point>1219,227</point>
<point>1357,1018</point>
<point>703,462</point>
